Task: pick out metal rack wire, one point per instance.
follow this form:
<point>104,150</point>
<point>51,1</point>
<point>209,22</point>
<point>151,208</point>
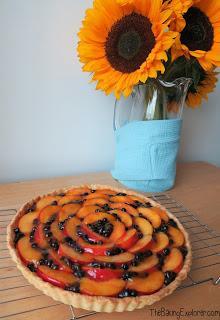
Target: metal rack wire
<point>205,246</point>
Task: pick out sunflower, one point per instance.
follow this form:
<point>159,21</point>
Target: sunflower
<point>200,37</point>
<point>124,44</point>
<point>206,85</point>
<point>179,8</point>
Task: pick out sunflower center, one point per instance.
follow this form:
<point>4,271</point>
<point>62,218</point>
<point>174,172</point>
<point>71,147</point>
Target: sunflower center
<point>129,42</point>
<point>198,33</point>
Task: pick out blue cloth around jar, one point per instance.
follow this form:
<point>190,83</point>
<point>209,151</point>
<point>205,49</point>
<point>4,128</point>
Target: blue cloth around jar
<point>146,154</point>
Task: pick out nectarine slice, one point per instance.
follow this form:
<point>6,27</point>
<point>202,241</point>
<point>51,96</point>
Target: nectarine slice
<point>102,274</point>
<point>142,244</point>
<point>82,258</point>
<point>118,231</point>
<point>151,215</point>
<point>25,224</point>
<point>68,199</point>
<point>119,259</point>
<point>97,195</point>
<point>174,261</point>
<point>149,285</point>
<point>148,265</point>
<point>123,216</point>
<point>47,213</point>
<point>56,277</point>
<point>57,233</point>
<point>109,288</point>
<point>40,238</point>
<point>85,211</point>
<point>128,240</point>
<point>124,207</point>
<point>122,199</point>
<point>96,202</point>
<point>161,242</point>
<point>177,236</point>
<point>78,191</point>
<point>144,226</point>
<point>70,228</point>
<point>47,201</point>
<point>56,258</point>
<point>95,249</point>
<point>26,252</point>
<point>93,217</point>
<point>68,210</point>
<point>162,213</point>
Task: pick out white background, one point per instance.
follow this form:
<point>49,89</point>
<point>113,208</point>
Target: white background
<point>52,122</point>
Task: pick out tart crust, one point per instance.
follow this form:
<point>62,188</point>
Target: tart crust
<point>98,303</point>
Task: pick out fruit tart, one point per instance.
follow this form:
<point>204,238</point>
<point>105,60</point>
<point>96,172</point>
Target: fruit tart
<point>100,248</point>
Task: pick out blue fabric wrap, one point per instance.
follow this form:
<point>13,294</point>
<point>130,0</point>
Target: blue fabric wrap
<point>146,153</point>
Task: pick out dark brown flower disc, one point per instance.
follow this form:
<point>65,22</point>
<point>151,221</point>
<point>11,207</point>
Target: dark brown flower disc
<point>198,33</point>
<point>129,42</point>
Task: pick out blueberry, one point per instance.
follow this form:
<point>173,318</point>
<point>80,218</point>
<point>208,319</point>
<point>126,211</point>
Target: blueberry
<point>171,241</point>
<point>54,203</point>
<point>166,252</point>
<point>31,267</point>
<point>49,262</point>
<point>110,265</point>
<point>121,194</point>
<point>127,293</point>
<point>96,265</point>
<point>170,276</point>
<point>48,234</point>
<point>73,288</point>
<point>124,210</point>
<point>173,223</point>
<point>34,245</point>
<point>128,275</point>
<point>125,266</point>
<point>54,266</point>
<point>184,251</point>
<point>16,230</point>
<point>93,191</point>
<point>42,262</point>
<point>114,251</point>
<point>79,274</point>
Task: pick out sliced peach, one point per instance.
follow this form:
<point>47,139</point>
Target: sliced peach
<point>70,228</point>
<point>96,202</point>
<point>57,233</point>
<point>47,213</point>
<point>162,213</point>
<point>56,258</point>
<point>118,231</point>
<point>107,191</point>
<point>92,235</point>
<point>78,191</point>
<point>142,244</point>
<point>102,274</point>
<point>82,258</point>
<point>40,238</point>
<point>85,211</point>
<point>122,199</point>
<point>160,243</point>
<point>144,225</point>
<point>128,240</point>
<point>124,207</point>
<point>109,288</point>
<point>47,201</point>
<point>174,261</point>
<point>56,277</point>
<point>68,199</point>
<point>97,195</point>
<point>93,217</point>
<point>177,236</point>
<point>26,252</point>
<point>68,210</point>
<point>25,224</point>
<point>149,285</point>
<point>95,249</point>
<point>151,215</point>
<point>123,216</point>
<point>119,259</point>
<point>148,265</point>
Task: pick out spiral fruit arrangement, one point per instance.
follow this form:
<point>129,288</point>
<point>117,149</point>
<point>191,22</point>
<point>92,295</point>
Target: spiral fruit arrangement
<point>100,242</point>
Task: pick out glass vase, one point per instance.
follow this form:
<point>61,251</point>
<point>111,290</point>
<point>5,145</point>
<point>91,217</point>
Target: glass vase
<point>147,129</point>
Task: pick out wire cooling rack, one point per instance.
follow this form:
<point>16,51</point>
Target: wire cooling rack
<point>205,268</point>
